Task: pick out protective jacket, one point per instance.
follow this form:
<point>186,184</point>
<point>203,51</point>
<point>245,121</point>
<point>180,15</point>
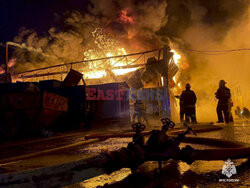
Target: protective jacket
<point>223,95</point>
<point>188,98</point>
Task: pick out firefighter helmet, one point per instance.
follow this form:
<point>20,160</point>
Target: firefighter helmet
<point>222,82</point>
<point>188,85</point>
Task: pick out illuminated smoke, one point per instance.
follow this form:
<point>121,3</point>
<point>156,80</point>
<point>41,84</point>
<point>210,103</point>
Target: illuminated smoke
<point>124,17</point>
<point>215,30</point>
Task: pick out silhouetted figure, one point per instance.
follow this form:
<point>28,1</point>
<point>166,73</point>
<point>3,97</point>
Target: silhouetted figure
<point>238,112</point>
<point>223,95</point>
<point>136,110</point>
<point>245,113</point>
<point>188,101</point>
<point>139,111</point>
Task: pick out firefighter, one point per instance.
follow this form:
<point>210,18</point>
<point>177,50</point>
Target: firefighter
<point>139,111</point>
<point>238,112</point>
<point>188,100</point>
<point>245,112</point>
<point>136,110</point>
<point>142,113</point>
<point>223,95</point>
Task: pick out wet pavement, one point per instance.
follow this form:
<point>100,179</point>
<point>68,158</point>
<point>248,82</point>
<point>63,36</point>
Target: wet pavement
<point>72,147</point>
<point>176,174</point>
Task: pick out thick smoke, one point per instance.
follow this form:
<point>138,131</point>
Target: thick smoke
<point>209,69</point>
<point>137,25</point>
<point>101,30</point>
<point>224,26</point>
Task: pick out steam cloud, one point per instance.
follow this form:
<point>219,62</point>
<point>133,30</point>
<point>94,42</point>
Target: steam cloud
<point>197,24</point>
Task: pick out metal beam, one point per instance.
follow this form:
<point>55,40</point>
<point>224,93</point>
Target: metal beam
<point>90,60</point>
<point>45,74</point>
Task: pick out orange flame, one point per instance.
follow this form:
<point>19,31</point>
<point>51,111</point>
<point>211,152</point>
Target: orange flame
<point>112,63</point>
<point>107,47</point>
<point>176,57</point>
<point>178,60</point>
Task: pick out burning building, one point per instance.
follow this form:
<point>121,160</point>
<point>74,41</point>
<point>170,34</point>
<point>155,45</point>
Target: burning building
<point>102,44</point>
<point>108,48</point>
<point>123,74</point>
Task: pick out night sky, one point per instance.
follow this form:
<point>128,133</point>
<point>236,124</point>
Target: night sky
<point>39,15</point>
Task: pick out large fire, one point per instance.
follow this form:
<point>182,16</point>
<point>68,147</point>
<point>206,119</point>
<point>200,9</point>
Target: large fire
<point>116,66</point>
<point>109,47</point>
<point>113,64</point>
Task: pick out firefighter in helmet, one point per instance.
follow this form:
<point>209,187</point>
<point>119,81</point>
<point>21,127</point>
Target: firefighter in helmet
<point>188,100</point>
<point>139,111</point>
<point>223,95</point>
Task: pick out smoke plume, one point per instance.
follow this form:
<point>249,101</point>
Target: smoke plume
<point>107,26</point>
